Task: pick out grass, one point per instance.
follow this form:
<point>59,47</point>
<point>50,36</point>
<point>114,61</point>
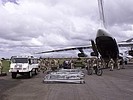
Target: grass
<point>6,65</point>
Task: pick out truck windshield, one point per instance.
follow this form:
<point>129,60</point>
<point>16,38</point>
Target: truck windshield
<point>19,60</point>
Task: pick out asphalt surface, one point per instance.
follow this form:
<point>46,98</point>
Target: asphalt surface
<point>112,85</point>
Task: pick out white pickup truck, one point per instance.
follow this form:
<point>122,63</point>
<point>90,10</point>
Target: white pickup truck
<point>23,65</point>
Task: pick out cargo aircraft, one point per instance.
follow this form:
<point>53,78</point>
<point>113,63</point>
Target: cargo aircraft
<point>104,46</point>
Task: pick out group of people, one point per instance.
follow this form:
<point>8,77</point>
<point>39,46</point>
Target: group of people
<point>119,64</point>
<point>53,64</point>
<point>46,64</point>
<point>95,62</point>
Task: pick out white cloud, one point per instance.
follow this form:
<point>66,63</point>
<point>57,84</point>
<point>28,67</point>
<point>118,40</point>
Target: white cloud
<point>39,25</point>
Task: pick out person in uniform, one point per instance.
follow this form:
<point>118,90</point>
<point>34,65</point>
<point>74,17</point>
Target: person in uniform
<point>71,63</point>
<point>89,64</point>
<point>65,64</point>
<point>122,63</point>
<point>42,66</point>
<point>47,63</point>
<point>79,63</point>
<point>56,63</point>
<point>95,64</point>
<point>119,63</point>
<point>99,63</point>
<point>111,64</point>
<point>39,63</point>
<point>53,64</point>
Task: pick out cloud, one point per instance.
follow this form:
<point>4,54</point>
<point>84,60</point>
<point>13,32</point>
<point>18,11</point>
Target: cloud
<point>118,11</point>
<point>38,25</point>
<point>11,1</point>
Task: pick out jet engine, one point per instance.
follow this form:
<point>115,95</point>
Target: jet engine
<point>93,54</point>
<point>130,52</point>
<point>82,55</point>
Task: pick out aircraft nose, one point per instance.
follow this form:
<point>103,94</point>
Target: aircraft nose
<point>100,32</point>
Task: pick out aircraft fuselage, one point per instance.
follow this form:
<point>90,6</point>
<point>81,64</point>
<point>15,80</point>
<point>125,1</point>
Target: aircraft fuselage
<point>106,45</point>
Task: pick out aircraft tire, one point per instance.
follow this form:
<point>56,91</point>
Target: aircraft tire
<point>83,82</point>
<point>99,72</point>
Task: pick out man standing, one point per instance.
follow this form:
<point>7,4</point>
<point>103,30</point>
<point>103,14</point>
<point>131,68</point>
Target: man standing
<point>79,63</point>
<point>111,64</point>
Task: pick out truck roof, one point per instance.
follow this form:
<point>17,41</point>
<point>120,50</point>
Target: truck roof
<point>22,57</point>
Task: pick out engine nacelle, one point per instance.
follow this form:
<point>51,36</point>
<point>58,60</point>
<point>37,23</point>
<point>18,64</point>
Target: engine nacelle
<point>130,52</point>
<point>93,54</point>
<point>82,55</point>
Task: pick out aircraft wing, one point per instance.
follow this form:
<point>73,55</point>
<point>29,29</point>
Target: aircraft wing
<point>125,44</point>
<point>80,48</point>
<point>67,49</point>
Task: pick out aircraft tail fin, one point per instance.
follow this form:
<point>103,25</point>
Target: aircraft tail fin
<point>101,12</point>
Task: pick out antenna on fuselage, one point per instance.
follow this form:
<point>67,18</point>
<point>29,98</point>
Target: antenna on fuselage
<point>101,12</point>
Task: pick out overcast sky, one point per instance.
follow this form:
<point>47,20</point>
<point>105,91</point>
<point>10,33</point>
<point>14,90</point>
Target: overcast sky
<point>29,26</point>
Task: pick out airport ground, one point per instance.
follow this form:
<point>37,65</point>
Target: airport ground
<point>112,85</point>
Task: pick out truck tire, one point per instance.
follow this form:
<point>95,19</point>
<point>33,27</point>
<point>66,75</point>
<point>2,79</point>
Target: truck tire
<point>14,75</point>
<point>35,71</point>
<point>29,74</point>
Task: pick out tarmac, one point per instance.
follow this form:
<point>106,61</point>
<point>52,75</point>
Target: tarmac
<point>112,85</point>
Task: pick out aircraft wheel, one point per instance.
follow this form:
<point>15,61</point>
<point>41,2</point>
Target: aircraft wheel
<point>99,72</point>
<point>83,82</point>
<point>90,71</point>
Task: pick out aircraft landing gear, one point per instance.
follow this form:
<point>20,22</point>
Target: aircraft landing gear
<point>98,71</point>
